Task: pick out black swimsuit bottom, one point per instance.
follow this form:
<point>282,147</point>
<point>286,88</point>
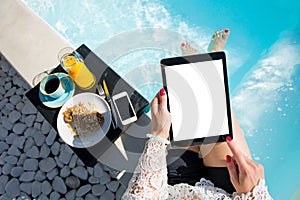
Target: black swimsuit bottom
<point>185,166</point>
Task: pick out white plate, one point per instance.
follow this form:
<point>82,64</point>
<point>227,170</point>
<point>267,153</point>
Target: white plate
<point>94,103</point>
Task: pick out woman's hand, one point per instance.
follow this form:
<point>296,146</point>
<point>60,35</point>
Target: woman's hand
<point>244,173</point>
<point>161,118</point>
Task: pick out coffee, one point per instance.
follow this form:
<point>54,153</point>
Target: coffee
<point>52,85</point>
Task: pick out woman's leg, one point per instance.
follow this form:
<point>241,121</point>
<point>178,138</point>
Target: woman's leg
<point>214,154</point>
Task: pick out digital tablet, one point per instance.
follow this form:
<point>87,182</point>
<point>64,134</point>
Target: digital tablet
<point>198,98</point>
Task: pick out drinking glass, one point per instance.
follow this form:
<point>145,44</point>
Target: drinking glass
<point>73,62</point>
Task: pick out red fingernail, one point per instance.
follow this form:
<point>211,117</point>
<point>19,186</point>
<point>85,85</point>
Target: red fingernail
<point>228,159</point>
<point>162,92</point>
<point>228,138</point>
<point>182,44</point>
<point>226,30</point>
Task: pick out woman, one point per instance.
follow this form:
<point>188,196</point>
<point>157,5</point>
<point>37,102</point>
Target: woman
<point>221,162</point>
<point>150,182</point>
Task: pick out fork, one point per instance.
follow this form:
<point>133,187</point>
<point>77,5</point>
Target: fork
<point>100,91</point>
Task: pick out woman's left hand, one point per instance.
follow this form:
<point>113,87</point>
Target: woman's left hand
<point>161,118</point>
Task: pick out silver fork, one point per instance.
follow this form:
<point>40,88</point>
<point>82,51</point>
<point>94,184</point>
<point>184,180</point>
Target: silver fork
<point>100,91</point>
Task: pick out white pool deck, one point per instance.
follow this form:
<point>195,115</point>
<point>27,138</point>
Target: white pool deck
<point>27,41</point>
<point>31,46</point>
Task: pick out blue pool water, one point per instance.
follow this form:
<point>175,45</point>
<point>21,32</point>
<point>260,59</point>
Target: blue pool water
<point>263,54</point>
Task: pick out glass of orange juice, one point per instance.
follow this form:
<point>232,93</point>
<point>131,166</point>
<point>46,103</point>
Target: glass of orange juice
<point>72,61</point>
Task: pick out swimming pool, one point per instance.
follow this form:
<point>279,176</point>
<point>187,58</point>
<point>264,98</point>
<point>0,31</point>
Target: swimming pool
<point>263,58</point>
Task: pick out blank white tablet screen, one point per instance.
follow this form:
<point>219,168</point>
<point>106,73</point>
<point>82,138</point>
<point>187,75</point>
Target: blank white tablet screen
<point>197,99</point>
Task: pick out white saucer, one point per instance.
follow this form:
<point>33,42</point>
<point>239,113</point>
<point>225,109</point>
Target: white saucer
<point>57,102</point>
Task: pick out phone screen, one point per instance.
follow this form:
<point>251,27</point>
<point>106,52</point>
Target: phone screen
<point>124,108</point>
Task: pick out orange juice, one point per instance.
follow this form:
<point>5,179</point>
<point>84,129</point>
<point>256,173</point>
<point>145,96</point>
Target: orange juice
<point>79,72</point>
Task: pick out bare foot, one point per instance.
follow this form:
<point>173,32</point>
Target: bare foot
<point>187,49</point>
<point>218,40</point>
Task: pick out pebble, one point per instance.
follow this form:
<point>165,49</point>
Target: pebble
<point>52,174</point>
<point>10,92</point>
<point>2,157</point>
<point>120,192</point>
<point>10,138</point>
<point>43,197</point>
<point>30,132</point>
<point>47,164</point>
<point>6,168</point>
<point>80,172</point>
<point>2,91</point>
<point>51,137</point>
<point>28,144</point>
<point>65,156</point>
<point>105,178</point>
<point>107,195</point>
<point>27,176</point>
<point>58,185</point>
<point>54,196</point>
<point>20,106</point>
<point>98,190</point>
<point>11,159</point>
<point>39,138</point>
<point>46,187</point>
<point>29,109</point>
<point>15,99</point>
<point>36,189</point>
<point>94,180</point>
<point>16,171</point>
<point>26,187</point>
<point>71,195</point>
<point>29,120</point>
<point>55,148</point>
<point>91,197</point>
<point>98,170</point>
<point>40,176</point>
<point>19,142</point>
<point>21,159</point>
<point>19,82</point>
<point>3,102</point>
<point>90,170</point>
<point>39,117</point>
<point>14,151</point>
<point>12,188</point>
<point>113,186</point>
<point>12,72</point>
<point>4,133</point>
<point>72,162</point>
<point>31,164</point>
<point>72,182</point>
<point>44,151</point>
<point>33,152</point>
<point>46,127</point>
<point>37,125</point>
<point>9,107</point>
<point>6,123</point>
<point>20,91</point>
<point>3,182</point>
<point>7,86</point>
<point>14,116</point>
<point>83,190</point>
<point>19,128</point>
<point>65,172</point>
<point>3,146</point>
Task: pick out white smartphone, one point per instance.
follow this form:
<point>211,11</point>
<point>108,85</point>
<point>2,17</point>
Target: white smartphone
<point>124,108</point>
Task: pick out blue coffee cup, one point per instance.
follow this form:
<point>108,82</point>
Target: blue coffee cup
<point>52,86</point>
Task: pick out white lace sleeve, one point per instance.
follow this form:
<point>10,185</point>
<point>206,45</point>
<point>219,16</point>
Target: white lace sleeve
<point>150,178</point>
<point>259,192</point>
<point>150,181</point>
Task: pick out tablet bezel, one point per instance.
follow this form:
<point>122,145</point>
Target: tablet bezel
<point>195,59</point>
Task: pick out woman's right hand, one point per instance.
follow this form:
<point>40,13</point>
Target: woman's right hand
<point>245,174</point>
